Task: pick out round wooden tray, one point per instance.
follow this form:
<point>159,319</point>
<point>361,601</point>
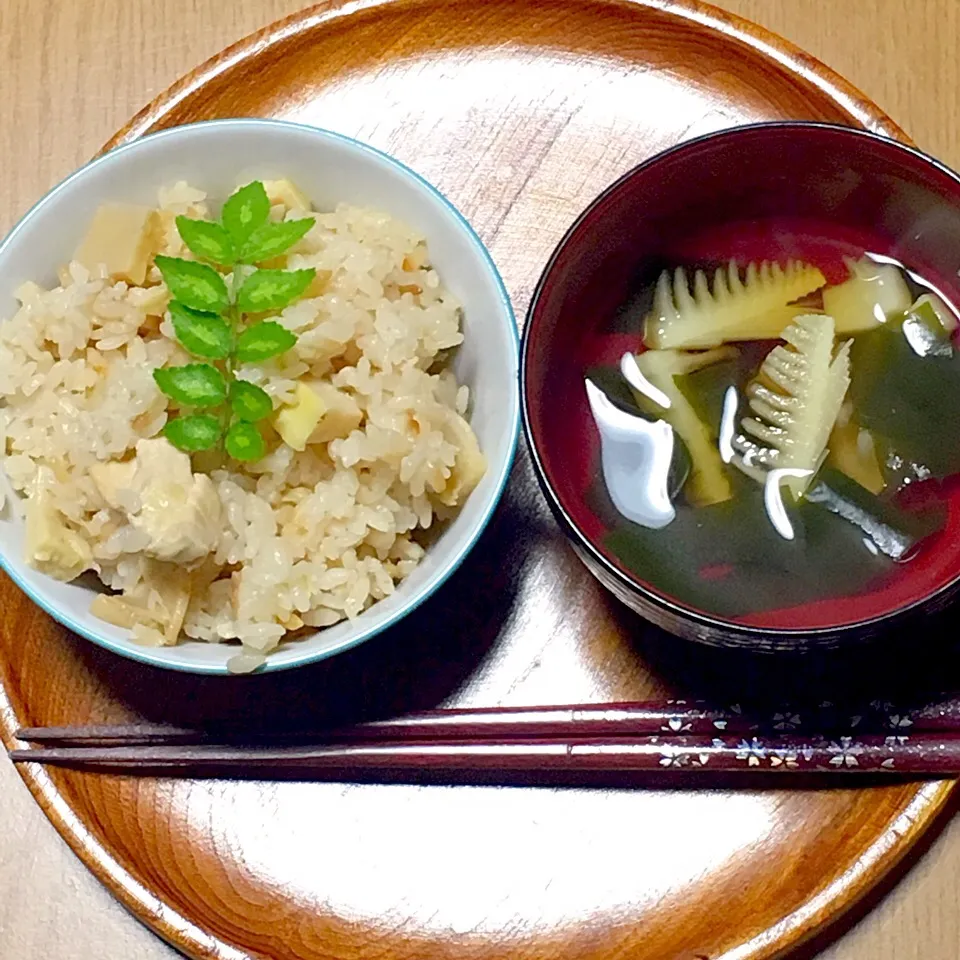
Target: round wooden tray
<point>520,113</point>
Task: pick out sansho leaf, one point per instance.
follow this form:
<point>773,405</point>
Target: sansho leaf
<point>264,340</point>
<point>245,210</point>
<point>245,442</point>
<point>202,334</point>
<point>273,289</point>
<point>207,240</point>
<point>272,239</point>
<point>249,402</point>
<point>200,431</point>
<point>194,284</point>
<point>192,385</point>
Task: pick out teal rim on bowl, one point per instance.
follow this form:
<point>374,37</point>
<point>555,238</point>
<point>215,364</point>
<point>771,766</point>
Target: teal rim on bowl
<point>388,174</point>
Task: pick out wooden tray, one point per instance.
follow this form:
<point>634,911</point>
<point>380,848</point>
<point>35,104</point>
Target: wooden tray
<point>521,113</point>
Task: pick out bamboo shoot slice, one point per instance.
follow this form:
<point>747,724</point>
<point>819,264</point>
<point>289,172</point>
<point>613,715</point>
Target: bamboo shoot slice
<point>755,307</point>
<point>708,482</point>
<point>793,419</point>
<point>874,293</point>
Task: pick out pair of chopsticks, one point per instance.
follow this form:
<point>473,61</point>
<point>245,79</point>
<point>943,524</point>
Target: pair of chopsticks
<point>645,740</point>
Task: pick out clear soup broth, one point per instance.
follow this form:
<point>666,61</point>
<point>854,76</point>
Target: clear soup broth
<point>777,436</point>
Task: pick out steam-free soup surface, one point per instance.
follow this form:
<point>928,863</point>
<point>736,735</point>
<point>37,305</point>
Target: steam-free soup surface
<point>775,440</point>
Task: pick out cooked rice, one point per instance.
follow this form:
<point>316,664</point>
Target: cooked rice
<point>307,538</point>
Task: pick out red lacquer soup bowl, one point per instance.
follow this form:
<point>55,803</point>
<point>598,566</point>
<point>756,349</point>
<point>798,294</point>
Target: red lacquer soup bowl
<point>771,192</point>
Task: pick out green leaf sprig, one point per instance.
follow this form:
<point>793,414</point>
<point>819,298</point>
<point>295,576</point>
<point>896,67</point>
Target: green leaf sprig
<point>212,322</point>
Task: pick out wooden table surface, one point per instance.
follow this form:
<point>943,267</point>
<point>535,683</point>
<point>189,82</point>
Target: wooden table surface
<point>72,71</point>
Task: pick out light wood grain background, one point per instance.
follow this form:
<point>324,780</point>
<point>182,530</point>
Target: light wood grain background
<point>72,71</point>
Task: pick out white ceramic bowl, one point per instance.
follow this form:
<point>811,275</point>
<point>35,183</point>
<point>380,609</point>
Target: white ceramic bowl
<point>330,168</point>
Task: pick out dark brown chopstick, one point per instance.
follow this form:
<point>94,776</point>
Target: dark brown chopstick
<point>676,737</point>
<point>929,755</point>
<point>631,719</point>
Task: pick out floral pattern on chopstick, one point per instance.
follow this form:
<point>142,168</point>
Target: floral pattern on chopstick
<point>699,717</point>
<point>873,753</point>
